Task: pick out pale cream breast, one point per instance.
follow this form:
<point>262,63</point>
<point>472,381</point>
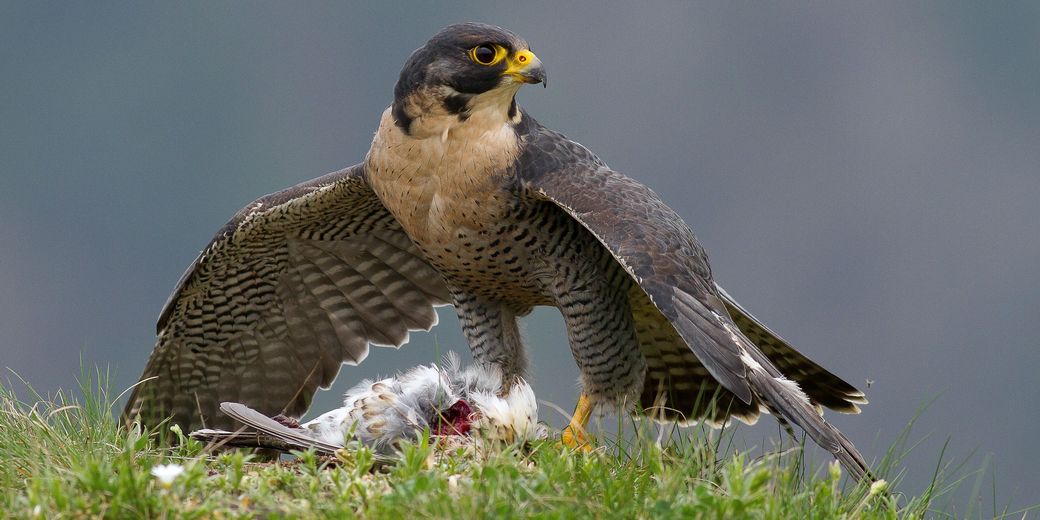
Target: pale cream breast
<point>447,177</point>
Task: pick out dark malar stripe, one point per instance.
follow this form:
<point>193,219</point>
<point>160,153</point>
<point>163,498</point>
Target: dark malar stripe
<point>457,104</point>
<point>512,109</point>
<point>401,119</point>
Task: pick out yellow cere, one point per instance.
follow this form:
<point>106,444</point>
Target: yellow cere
<point>520,61</point>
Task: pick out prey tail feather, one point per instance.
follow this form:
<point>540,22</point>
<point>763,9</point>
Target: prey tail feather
<point>783,397</point>
<point>295,438</point>
<point>242,439</point>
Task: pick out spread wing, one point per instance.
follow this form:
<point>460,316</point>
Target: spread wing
<point>295,285</point>
<point>662,255</point>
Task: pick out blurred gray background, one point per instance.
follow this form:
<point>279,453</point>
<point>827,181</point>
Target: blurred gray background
<point>865,178</point>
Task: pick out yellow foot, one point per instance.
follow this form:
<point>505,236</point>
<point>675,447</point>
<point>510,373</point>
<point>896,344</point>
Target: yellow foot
<point>574,435</point>
<point>577,440</point>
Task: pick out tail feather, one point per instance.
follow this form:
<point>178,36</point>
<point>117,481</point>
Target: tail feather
<point>242,439</point>
<point>785,399</point>
<point>295,438</point>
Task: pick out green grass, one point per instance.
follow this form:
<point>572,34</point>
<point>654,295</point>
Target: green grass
<point>69,458</point>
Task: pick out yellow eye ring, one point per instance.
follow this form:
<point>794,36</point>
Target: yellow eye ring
<point>487,54</point>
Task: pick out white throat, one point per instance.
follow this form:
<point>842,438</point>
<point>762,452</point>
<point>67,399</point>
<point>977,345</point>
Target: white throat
<point>446,173</point>
<point>487,112</point>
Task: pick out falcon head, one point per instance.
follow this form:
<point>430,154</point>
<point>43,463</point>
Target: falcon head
<point>465,68</point>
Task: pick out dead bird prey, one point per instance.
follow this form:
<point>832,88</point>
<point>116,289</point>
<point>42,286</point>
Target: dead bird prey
<point>447,400</point>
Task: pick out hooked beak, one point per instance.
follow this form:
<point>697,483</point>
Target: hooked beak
<point>525,67</point>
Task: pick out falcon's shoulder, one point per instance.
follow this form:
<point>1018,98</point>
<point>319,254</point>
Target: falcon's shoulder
<point>648,238</point>
<point>568,173</point>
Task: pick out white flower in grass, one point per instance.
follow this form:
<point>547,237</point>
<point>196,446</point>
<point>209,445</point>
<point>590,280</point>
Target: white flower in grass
<point>167,473</point>
<point>878,487</point>
<point>834,469</point>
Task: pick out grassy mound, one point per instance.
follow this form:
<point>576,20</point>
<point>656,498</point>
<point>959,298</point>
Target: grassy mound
<point>67,457</point>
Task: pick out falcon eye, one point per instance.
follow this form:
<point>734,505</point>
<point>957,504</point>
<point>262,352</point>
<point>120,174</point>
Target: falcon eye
<point>484,54</point>
<point>487,54</point>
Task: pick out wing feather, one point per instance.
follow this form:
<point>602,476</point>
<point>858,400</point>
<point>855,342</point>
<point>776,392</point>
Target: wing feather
<point>647,237</point>
<point>661,254</point>
<point>295,285</point>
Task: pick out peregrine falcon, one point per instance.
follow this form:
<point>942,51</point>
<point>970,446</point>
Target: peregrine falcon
<point>464,199</point>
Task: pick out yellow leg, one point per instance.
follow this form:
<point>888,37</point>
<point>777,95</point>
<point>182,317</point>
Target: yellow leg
<point>574,435</point>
